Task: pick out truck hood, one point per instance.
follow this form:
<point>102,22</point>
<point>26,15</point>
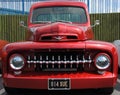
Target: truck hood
<point>59,31</point>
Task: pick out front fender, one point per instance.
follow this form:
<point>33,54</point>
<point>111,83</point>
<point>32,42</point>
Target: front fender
<point>2,44</point>
<point>107,47</point>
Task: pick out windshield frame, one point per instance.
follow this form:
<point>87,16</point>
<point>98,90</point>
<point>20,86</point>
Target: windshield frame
<point>57,20</point>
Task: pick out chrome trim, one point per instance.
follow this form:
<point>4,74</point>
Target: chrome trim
<point>71,65</point>
<point>34,61</point>
<point>34,65</point>
<point>58,65</point>
<point>64,58</point>
<point>38,61</point>
<point>77,58</point>
<point>35,58</point>
<point>52,65</point>
<point>71,57</point>
<point>28,61</point>
<point>52,62</point>
<point>64,65</point>
<point>70,69</point>
<point>28,57</point>
<point>40,58</point>
<point>58,37</point>
<point>29,65</point>
<point>41,65</point>
<point>47,57</point>
<point>46,65</point>
<point>53,58</point>
<point>58,60</point>
<point>31,61</point>
<point>89,65</point>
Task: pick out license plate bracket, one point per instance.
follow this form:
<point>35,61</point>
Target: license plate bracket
<point>59,84</point>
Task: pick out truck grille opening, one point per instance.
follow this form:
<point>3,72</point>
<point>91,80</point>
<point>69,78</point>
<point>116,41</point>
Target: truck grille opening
<point>59,37</point>
<point>72,37</point>
<point>46,38</point>
<point>59,61</point>
<point>58,67</point>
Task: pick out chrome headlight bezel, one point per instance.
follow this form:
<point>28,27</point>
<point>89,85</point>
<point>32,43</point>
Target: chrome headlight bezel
<point>16,62</point>
<point>102,61</point>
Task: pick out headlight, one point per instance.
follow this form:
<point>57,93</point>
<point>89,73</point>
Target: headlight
<point>16,62</point>
<point>102,61</point>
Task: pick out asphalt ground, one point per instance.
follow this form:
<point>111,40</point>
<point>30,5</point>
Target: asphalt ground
<point>81,92</point>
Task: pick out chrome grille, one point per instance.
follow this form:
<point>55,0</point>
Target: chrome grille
<point>59,61</point>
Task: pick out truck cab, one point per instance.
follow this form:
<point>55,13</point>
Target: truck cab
<point>69,22</point>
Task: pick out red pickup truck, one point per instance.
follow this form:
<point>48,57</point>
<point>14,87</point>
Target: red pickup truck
<point>60,53</point>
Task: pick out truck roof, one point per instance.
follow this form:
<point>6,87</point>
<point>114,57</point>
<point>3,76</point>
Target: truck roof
<point>58,3</point>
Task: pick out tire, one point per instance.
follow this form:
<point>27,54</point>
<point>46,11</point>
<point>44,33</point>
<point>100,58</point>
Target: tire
<point>117,45</point>
<point>15,91</point>
<point>12,91</point>
<point>118,70</point>
<point>105,91</point>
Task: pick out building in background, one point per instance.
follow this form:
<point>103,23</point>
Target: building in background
<point>94,6</point>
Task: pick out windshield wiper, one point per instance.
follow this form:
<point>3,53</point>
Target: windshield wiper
<point>41,22</point>
<point>47,22</point>
<point>62,21</point>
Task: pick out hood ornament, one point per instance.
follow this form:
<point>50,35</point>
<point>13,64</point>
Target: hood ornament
<point>58,37</point>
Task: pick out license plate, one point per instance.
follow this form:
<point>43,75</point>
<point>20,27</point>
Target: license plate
<point>58,84</point>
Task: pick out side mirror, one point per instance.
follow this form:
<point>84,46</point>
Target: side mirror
<point>22,24</point>
<point>97,22</point>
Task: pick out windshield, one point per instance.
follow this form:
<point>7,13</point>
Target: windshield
<point>54,14</point>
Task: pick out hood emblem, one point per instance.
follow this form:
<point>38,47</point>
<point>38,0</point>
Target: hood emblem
<point>58,37</point>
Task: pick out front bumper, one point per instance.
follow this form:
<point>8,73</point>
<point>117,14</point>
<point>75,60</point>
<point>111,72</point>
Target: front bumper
<point>77,80</point>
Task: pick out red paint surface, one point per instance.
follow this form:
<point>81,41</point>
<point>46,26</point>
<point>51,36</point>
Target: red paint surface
<point>85,42</point>
<point>78,80</point>
<point>2,44</point>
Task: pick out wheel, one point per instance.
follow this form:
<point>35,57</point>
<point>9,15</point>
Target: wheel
<point>117,45</point>
<point>105,91</point>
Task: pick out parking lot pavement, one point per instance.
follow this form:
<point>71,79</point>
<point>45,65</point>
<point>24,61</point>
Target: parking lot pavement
<point>116,90</point>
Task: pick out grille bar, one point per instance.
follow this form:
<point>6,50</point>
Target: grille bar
<point>58,60</point>
<point>71,69</point>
